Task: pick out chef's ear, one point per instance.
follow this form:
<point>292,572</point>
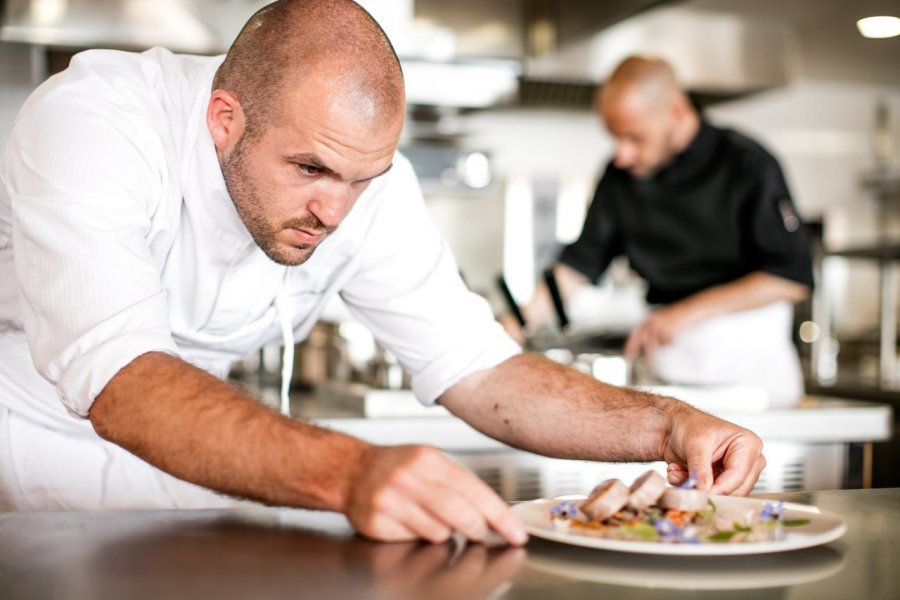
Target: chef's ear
<point>225,120</point>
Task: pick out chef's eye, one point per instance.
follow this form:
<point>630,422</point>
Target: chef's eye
<point>310,169</point>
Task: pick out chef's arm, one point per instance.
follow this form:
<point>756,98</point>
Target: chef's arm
<point>751,291</point>
<point>538,405</point>
<point>200,429</point>
<point>539,312</point>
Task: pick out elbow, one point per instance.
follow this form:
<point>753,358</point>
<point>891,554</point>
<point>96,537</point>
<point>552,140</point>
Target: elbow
<point>99,417</point>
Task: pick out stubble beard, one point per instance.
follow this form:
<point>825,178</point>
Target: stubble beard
<point>251,210</point>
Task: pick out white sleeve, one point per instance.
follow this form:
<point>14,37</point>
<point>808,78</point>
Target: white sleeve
<point>409,293</point>
<point>83,178</point>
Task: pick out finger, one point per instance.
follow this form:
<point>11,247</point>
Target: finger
<point>385,529</point>
<point>740,462</point>
<point>458,513</point>
<point>665,336</point>
<point>739,479</point>
<point>699,462</point>
<point>676,474</point>
<point>439,488</point>
<point>497,513</point>
<point>633,344</point>
<point>747,487</point>
<point>400,518</point>
<point>480,508</point>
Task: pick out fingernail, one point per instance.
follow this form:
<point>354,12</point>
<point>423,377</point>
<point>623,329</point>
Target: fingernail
<point>519,537</point>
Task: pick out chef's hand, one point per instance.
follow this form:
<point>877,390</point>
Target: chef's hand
<point>416,492</point>
<point>512,327</point>
<point>659,329</point>
<point>724,458</point>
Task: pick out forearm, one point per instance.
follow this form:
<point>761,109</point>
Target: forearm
<point>198,428</point>
<point>751,291</point>
<point>536,404</point>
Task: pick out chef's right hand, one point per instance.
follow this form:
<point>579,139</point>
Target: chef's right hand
<point>416,492</point>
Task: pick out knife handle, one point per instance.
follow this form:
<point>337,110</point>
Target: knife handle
<point>550,280</point>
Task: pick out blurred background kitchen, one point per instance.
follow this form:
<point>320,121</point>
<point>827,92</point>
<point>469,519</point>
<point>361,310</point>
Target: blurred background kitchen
<point>502,135</point>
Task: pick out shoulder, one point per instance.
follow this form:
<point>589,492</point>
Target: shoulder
<point>118,85</point>
<point>745,151</point>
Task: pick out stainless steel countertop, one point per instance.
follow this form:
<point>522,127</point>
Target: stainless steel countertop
<point>279,553</point>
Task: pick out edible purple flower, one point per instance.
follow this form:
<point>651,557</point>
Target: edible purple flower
<point>771,511</point>
<point>691,482</point>
<point>565,509</point>
<point>671,533</point>
<point>665,528</point>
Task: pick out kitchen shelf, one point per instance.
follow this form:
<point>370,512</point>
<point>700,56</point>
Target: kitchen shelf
<point>888,252</point>
<point>884,185</point>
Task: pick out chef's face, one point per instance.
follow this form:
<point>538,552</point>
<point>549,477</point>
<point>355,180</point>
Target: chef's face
<point>644,133</point>
<point>293,183</point>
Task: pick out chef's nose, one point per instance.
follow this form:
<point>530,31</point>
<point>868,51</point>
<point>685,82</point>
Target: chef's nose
<point>625,156</point>
<point>329,205</point>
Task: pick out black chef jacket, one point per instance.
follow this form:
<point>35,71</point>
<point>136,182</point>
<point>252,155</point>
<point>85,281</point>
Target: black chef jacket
<point>720,210</point>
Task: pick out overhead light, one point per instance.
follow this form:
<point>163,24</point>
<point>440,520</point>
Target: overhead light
<point>879,27</point>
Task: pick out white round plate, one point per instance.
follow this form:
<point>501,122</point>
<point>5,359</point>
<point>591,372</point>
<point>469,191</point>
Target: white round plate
<point>821,529</point>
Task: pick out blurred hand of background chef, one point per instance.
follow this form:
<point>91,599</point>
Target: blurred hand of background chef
<point>705,217</point>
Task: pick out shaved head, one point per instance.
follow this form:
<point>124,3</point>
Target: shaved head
<point>644,79</point>
<point>648,114</point>
<point>289,43</point>
<point>305,112</point>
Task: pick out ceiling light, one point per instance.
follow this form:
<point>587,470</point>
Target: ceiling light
<point>879,27</point>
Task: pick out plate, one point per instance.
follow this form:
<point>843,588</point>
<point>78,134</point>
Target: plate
<point>821,529</point>
<point>685,572</point>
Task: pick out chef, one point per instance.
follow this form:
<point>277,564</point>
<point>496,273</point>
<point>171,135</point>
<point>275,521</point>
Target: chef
<point>704,215</point>
<point>162,216</point>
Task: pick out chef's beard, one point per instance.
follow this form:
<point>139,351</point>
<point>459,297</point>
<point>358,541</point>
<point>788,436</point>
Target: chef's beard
<point>252,210</point>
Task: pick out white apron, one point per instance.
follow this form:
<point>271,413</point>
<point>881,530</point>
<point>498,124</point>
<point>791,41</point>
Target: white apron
<point>751,347</point>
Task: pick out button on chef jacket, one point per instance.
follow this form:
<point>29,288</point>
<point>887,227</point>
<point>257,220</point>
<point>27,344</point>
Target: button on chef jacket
<point>720,210</point>
<point>118,237</point>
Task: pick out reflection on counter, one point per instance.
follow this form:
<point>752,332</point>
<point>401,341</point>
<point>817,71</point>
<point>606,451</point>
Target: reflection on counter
<point>685,573</point>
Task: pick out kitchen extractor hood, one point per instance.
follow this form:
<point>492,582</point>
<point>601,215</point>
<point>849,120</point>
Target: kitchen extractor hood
<point>435,73</point>
<point>713,53</point>
<point>465,54</point>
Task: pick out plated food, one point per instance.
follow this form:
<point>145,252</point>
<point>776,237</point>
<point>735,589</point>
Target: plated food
<point>726,526</point>
<point>651,511</point>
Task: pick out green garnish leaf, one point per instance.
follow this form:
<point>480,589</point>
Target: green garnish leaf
<point>711,503</point>
<point>722,536</point>
<point>642,531</point>
<point>795,522</point>
<point>742,528</point>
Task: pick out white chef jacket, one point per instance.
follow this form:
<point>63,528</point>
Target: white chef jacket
<point>118,237</point>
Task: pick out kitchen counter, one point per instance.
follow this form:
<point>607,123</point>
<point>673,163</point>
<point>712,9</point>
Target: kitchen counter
<point>816,420</point>
<point>280,553</point>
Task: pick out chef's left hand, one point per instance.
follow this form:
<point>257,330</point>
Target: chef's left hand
<point>724,458</point>
<point>660,329</point>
